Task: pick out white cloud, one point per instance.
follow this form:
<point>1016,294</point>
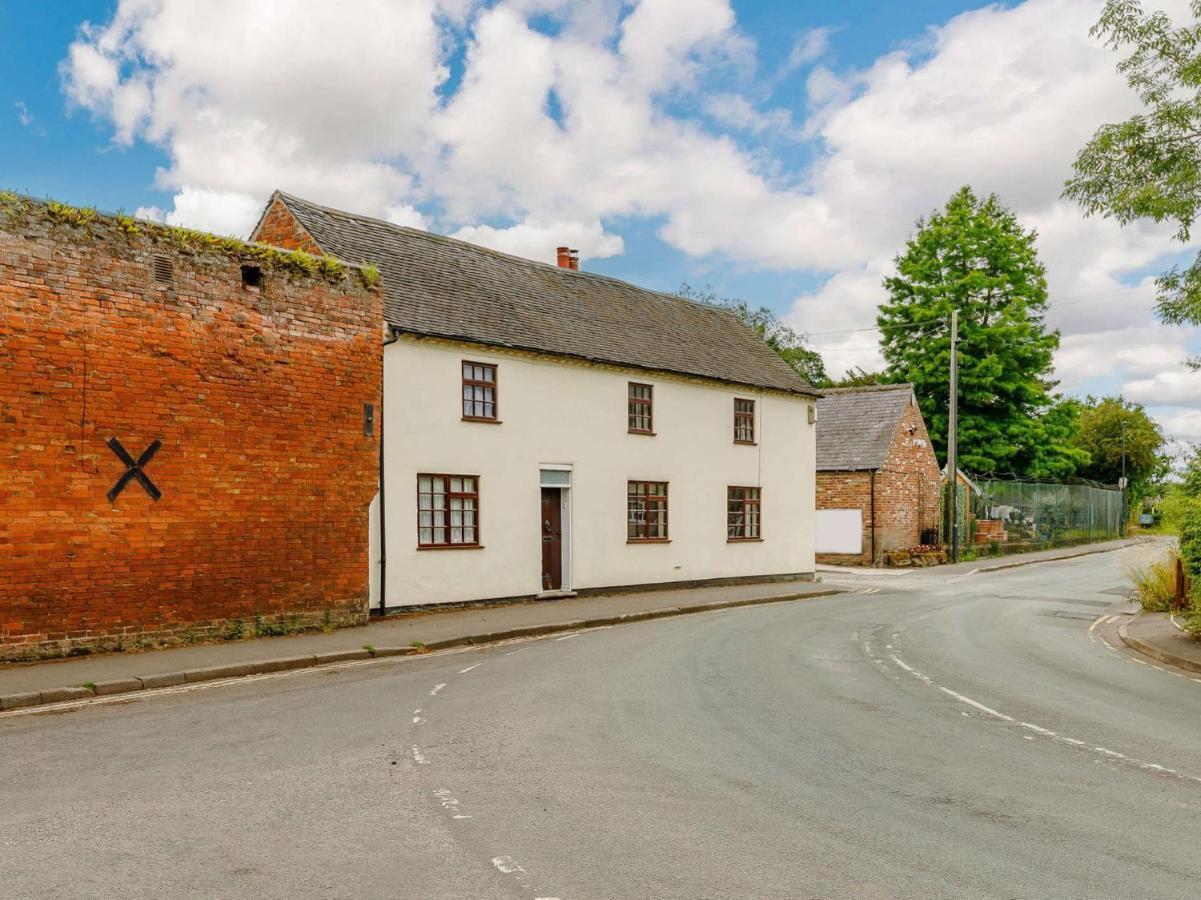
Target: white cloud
<point>404,214</point>
<point>1000,98</point>
<point>551,136</point>
<point>152,213</point>
<point>248,97</point>
<point>808,48</point>
<point>736,111</point>
<point>1183,425</point>
<point>1172,388</point>
<point>537,240</point>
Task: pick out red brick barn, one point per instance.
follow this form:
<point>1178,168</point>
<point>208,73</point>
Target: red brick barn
<point>877,475</point>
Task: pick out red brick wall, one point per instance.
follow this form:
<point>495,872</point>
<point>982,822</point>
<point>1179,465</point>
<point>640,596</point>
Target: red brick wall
<point>257,397</point>
<point>907,488</point>
<point>906,493</point>
<point>280,229</point>
<point>847,490</point>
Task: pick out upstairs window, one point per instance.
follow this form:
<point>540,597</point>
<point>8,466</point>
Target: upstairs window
<point>640,408</point>
<point>742,514</point>
<point>448,509</point>
<point>646,504</point>
<point>744,421</point>
<point>479,392</point>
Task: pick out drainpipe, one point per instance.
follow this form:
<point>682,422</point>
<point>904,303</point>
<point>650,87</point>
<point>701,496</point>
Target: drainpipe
<point>393,337</point>
<point>874,560</point>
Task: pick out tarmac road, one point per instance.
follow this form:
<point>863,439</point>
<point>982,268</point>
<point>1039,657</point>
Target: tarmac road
<point>949,736</point>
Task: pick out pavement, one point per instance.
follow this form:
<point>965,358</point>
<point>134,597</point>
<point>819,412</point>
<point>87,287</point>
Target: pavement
<point>970,736</point>
<point>63,680</point>
<point>993,563</point>
<point>1158,636</point>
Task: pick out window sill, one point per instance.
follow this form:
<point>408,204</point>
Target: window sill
<point>648,540</point>
<point>482,419</point>
<point>731,540</point>
<point>450,546</point>
<point>747,443</point>
<point>643,433</point>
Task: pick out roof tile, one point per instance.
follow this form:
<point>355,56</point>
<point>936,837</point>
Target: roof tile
<point>855,426</point>
<point>447,288</point>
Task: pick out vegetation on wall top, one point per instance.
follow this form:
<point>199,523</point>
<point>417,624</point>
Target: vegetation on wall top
<point>16,211</point>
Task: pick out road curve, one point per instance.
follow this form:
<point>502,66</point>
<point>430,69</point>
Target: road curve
<point>948,736</point>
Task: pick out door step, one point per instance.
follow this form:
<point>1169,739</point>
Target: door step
<point>555,595</point>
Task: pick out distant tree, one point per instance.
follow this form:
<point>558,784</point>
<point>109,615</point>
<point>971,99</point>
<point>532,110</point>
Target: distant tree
<point>788,344</point>
<point>857,376</point>
<point>1190,482</point>
<point>1110,425</point>
<point>975,257</point>
<point>1149,167</point>
<point>1060,425</point>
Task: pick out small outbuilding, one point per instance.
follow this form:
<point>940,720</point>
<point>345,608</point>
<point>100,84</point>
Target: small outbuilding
<point>878,479</point>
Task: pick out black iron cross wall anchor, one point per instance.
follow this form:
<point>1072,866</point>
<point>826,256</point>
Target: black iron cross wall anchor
<point>134,468</point>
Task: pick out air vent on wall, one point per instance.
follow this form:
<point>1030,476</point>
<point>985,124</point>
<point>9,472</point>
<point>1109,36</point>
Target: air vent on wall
<point>252,277</point>
<point>163,273</point>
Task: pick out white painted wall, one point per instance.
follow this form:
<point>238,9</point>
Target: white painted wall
<point>839,531</point>
<point>558,412</point>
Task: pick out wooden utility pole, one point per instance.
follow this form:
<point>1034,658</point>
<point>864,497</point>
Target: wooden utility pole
<point>953,436</point>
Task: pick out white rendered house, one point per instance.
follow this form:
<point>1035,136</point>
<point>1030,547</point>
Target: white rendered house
<point>549,430</point>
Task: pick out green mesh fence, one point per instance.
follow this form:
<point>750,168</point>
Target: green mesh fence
<point>1007,516</point>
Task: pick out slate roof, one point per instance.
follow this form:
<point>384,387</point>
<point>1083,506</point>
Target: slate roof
<point>855,426</point>
<point>447,288</point>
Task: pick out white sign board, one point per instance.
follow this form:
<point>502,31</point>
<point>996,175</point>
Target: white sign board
<point>839,531</point>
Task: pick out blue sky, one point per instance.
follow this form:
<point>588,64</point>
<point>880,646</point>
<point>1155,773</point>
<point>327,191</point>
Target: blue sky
<point>66,154</point>
<point>672,141</point>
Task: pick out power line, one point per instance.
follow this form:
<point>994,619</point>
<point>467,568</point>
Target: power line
<point>1070,300</point>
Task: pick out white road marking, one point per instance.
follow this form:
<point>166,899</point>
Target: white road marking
<point>437,687</point>
<point>1037,728</point>
<point>511,652</point>
<point>451,804</point>
<point>980,706</point>
<point>469,668</point>
<point>505,864</point>
<point>567,636</point>
<point>419,757</point>
<point>1046,732</point>
<point>417,720</point>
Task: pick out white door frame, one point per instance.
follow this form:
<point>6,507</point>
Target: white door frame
<point>557,476</point>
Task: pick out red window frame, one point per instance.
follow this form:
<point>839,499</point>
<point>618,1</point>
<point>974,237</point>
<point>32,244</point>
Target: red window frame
<point>744,513</point>
<point>640,408</point>
<point>744,421</point>
<point>480,391</point>
<point>646,512</point>
<point>431,518</point>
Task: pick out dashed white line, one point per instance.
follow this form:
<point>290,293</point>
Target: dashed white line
<point>419,757</point>
<point>437,687</point>
<point>1046,732</point>
<point>980,706</point>
<point>568,636</point>
<point>506,865</point>
<point>469,668</point>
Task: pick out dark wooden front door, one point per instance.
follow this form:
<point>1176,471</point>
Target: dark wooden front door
<point>552,541</point>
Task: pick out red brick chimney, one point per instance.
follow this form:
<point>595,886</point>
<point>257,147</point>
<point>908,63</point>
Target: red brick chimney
<point>568,258</point>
